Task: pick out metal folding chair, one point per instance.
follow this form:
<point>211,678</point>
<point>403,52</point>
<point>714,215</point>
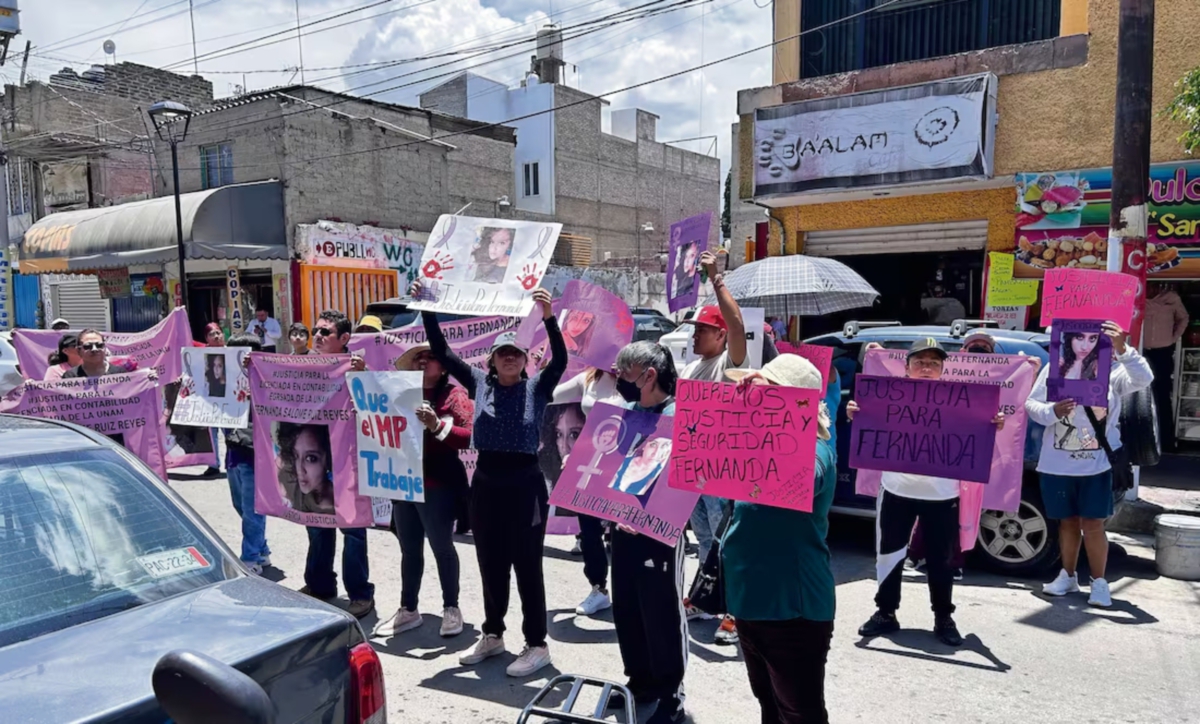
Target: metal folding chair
<point>566,713</point>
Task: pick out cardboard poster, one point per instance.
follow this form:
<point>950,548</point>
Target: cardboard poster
<point>756,443</point>
<point>1008,317</point>
<point>214,390</point>
<point>1089,294</point>
<point>924,427</point>
<point>125,407</point>
<point>391,440</point>
<point>595,324</point>
<point>689,239</point>
<point>484,266</point>
<point>821,358</point>
<point>305,443</point>
<point>561,428</point>
<point>616,471</point>
<point>1080,362</point>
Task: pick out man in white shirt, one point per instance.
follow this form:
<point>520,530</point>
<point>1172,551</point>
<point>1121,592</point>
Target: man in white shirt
<point>266,328</point>
<point>905,499</point>
<point>1076,474</point>
<point>719,340</point>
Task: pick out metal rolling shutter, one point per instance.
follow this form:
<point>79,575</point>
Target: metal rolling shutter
<point>943,237</point>
<point>78,301</point>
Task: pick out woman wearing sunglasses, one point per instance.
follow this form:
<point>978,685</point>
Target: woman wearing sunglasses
<point>95,357</point>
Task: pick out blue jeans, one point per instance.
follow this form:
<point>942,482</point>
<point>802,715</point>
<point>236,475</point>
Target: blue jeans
<point>254,525</point>
<point>318,569</point>
<point>706,519</point>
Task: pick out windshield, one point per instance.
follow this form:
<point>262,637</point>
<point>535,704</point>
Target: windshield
<point>84,535</point>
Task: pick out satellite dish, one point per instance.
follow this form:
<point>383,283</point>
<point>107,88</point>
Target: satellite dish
<point>110,48</point>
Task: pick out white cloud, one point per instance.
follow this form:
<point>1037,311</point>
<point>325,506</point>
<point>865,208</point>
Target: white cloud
<point>689,105</point>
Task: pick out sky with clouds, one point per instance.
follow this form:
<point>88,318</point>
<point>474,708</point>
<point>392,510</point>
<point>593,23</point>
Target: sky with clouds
<point>600,59</point>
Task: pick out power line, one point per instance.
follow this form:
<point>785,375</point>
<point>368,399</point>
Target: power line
<point>59,43</point>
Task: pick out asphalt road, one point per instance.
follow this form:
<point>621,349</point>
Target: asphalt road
<point>1026,658</point>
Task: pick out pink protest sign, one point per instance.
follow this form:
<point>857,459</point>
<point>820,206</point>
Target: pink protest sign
<point>756,443</point>
<point>157,347</point>
<point>924,427</point>
<point>1089,294</point>
<point>126,407</point>
<point>471,339</point>
<point>595,324</point>
<point>821,357</point>
<point>615,473</point>
<point>1014,374</point>
<point>305,444</point>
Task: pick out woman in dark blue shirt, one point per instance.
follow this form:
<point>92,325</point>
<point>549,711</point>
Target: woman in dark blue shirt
<point>509,498</point>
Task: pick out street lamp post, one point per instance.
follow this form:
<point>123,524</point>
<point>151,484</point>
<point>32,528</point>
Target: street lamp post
<point>171,121</point>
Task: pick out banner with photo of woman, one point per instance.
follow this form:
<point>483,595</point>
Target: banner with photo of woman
<point>1081,359</point>
<point>484,266</point>
<point>305,444</point>
<point>595,324</point>
<point>560,429</point>
<point>214,390</point>
<point>689,239</point>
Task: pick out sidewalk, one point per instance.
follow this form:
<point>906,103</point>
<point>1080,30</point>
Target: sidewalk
<point>1172,486</point>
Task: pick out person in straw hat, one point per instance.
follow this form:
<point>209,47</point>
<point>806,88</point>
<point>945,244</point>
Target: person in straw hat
<point>778,581</point>
<point>447,414</point>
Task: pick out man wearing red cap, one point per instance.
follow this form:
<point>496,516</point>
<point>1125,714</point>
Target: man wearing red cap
<point>720,342</point>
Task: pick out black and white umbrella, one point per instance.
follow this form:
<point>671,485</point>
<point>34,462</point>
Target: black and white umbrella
<point>798,285</point>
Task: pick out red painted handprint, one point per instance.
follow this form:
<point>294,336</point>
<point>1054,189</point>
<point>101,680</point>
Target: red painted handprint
<point>435,267</point>
<point>529,276</point>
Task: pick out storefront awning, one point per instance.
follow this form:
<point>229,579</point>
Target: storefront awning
<point>243,221</point>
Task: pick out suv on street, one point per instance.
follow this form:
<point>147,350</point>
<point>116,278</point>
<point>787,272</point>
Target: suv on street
<point>1024,543</point>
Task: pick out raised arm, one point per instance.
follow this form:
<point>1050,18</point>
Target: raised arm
<point>547,379</point>
<point>735,337</point>
<point>459,370</point>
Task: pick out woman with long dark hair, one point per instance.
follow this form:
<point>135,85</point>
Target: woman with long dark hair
<point>447,414</point>
<point>67,357</point>
<point>509,499</point>
<point>1080,356</point>
<point>306,467</point>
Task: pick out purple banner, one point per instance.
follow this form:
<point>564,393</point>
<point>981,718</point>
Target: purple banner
<point>616,472</point>
<point>1080,362</point>
<point>305,442</point>
<point>595,324</point>
<point>125,407</point>
<point>689,239</point>
<point>470,339</point>
<point>924,427</point>
<point>157,347</point>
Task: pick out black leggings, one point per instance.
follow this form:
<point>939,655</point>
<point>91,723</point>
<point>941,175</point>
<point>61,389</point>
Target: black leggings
<point>509,507</point>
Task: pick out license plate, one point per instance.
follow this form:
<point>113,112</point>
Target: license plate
<point>173,562</point>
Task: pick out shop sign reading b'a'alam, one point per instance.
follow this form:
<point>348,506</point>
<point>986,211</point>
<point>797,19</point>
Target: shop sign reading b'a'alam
<point>929,132</point>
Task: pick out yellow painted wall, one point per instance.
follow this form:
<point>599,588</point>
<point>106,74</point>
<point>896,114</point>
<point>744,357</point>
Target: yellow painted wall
<point>1049,121</point>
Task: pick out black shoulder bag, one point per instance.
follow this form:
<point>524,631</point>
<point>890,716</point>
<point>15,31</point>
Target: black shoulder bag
<point>1122,469</point>
<point>708,587</point>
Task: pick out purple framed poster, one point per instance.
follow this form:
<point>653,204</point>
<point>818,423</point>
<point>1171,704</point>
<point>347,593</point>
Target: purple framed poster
<point>689,239</point>
<point>1080,362</point>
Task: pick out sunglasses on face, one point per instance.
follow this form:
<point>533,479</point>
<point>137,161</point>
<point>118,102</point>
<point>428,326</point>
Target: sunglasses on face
<point>92,346</point>
<point>322,331</point>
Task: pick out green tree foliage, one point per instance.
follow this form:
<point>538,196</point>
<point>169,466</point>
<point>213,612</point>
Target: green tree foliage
<point>1185,108</point>
<point>725,217</point>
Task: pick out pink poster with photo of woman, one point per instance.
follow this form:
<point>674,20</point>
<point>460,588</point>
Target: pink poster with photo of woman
<point>305,443</point>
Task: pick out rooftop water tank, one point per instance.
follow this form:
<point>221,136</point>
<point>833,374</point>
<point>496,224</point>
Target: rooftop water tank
<point>10,18</point>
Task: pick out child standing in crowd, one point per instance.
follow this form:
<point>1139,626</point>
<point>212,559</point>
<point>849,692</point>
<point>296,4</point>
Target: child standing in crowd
<point>509,499</point>
<point>648,575</point>
<point>905,499</point>
<point>1076,470</point>
<point>447,415</point>
<point>239,468</point>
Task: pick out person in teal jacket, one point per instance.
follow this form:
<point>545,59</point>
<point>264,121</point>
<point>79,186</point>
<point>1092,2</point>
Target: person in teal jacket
<point>778,581</point>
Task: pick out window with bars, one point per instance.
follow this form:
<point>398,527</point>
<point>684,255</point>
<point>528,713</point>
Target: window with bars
<point>216,165</point>
<point>20,186</point>
<point>531,179</point>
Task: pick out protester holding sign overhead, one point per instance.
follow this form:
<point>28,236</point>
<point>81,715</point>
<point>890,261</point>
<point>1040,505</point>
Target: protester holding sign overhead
<point>1082,464</point>
<point>719,340</point>
<point>778,579</point>
<point>908,498</point>
<point>509,500</point>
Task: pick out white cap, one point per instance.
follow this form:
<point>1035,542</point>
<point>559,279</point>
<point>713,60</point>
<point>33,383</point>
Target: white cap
<point>59,320</point>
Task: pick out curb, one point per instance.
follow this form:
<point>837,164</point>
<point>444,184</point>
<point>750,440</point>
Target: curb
<point>1138,517</point>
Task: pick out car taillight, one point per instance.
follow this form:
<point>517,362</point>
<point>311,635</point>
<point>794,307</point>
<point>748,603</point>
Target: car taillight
<point>367,698</point>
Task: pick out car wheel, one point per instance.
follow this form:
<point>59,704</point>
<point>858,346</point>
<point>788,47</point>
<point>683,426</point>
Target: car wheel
<point>1022,543</point>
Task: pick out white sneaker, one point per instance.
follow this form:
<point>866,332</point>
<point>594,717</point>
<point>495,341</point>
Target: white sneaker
<point>452,622</point>
<point>255,568</point>
<point>488,646</point>
<point>577,549</point>
<point>403,621</point>
<point>1062,585</point>
<point>1101,597</point>
<point>694,614</point>
<point>530,660</point>
<point>596,601</point>
<point>265,561</point>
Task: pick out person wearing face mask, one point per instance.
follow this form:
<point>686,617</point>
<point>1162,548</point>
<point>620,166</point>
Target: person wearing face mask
<point>447,414</point>
<point>905,499</point>
<point>509,500</point>
<point>647,576</point>
<point>587,388</point>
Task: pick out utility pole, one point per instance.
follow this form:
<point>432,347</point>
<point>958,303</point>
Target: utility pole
<point>300,43</point>
<point>195,53</point>
<point>1128,219</point>
<point>25,61</point>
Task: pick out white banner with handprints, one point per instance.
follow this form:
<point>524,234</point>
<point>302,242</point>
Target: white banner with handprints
<point>485,266</point>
